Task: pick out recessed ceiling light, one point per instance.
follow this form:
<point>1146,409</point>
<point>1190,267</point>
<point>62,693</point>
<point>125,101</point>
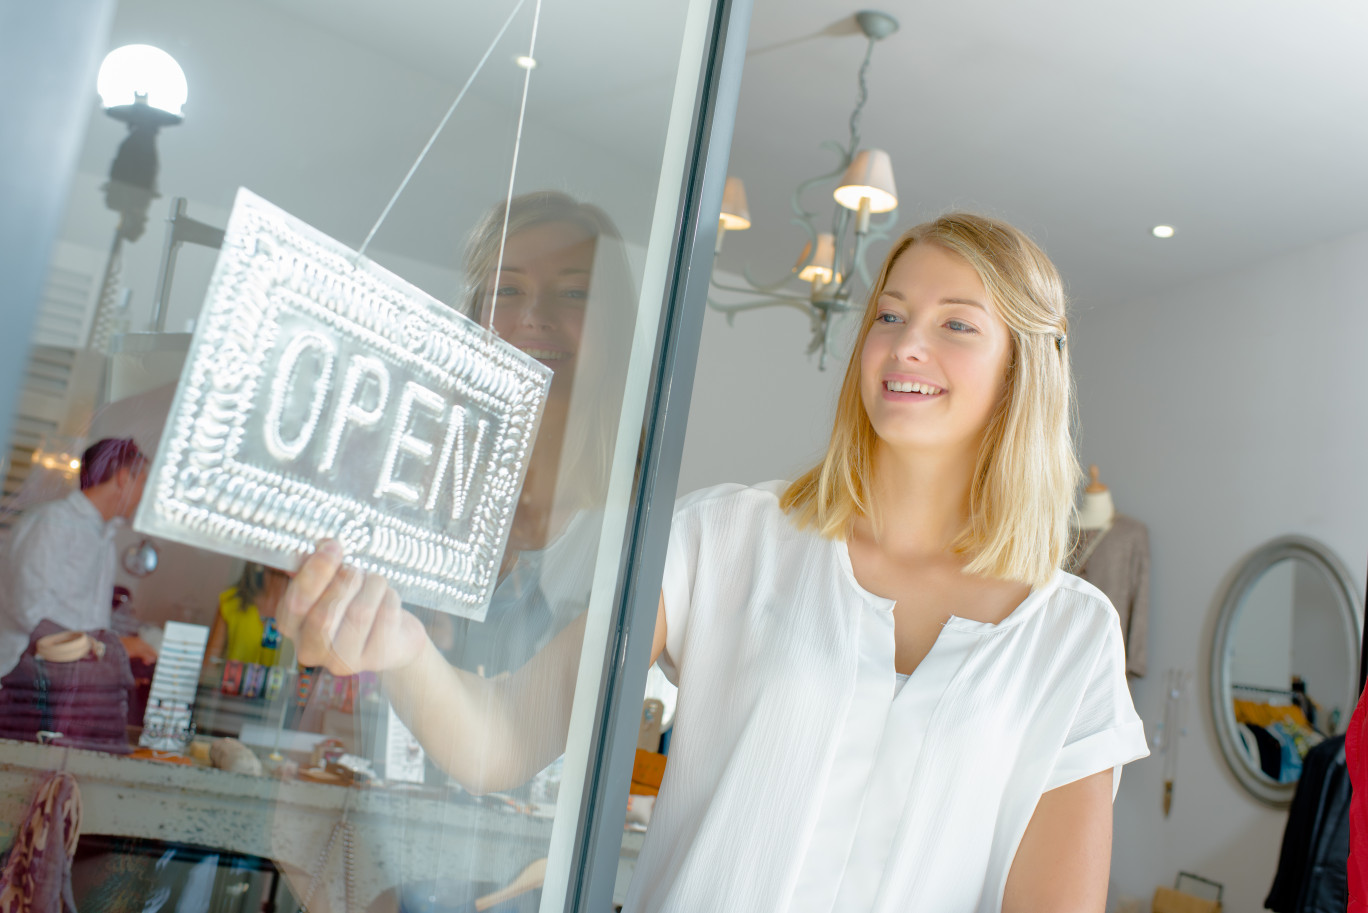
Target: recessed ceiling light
<point>1162,231</point>
<point>527,63</point>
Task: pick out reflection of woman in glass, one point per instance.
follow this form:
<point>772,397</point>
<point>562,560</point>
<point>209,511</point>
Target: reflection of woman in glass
<point>890,696</point>
<point>564,297</point>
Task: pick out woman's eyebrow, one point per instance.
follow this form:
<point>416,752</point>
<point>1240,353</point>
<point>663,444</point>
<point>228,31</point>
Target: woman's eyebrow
<point>888,293</point>
<point>968,301</point>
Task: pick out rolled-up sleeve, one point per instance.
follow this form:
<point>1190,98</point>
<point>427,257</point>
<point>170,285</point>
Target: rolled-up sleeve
<point>1106,732</point>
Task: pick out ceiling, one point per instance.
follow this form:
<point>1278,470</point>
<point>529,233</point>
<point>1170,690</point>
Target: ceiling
<point>1240,122</point>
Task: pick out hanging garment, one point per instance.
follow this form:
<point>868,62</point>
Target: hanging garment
<point>36,877</point>
<point>1270,750</point>
<point>1311,874</point>
<point>1116,560</point>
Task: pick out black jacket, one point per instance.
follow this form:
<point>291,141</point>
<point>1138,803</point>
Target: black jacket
<point>1313,867</point>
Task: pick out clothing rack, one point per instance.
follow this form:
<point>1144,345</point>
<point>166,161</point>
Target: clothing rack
<point>1285,692</point>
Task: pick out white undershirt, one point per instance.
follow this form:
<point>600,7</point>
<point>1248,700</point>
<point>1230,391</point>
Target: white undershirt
<point>804,777</point>
<point>898,685</point>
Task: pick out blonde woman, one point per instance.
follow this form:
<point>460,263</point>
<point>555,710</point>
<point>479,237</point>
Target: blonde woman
<point>891,698</point>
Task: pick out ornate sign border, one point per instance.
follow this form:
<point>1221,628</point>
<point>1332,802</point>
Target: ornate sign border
<point>204,491</point>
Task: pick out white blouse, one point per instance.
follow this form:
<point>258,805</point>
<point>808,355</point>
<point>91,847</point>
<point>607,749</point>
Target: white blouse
<point>798,781</point>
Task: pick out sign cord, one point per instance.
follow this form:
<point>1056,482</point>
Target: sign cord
<point>513,168</point>
<point>403,185</point>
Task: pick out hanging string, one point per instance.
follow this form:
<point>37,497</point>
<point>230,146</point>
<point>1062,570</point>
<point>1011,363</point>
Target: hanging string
<point>442,125</point>
<point>513,169</point>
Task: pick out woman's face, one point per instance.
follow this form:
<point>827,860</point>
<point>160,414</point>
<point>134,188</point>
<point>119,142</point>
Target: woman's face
<point>934,365</point>
<point>537,301</point>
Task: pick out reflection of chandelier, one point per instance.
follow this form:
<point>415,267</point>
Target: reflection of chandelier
<point>831,259</point>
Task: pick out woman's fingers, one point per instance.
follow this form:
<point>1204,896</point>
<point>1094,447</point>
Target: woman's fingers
<point>308,584</point>
<point>353,629</point>
<point>346,620</point>
<point>319,631</point>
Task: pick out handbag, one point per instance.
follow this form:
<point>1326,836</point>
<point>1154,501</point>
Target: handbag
<point>72,687</point>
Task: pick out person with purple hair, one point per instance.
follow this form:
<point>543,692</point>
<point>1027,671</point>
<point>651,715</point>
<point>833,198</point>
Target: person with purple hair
<point>60,559</point>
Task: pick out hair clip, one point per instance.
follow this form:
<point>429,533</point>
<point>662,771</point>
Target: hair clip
<point>1059,342</point>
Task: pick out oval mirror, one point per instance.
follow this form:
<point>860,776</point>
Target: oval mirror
<point>1284,662</point>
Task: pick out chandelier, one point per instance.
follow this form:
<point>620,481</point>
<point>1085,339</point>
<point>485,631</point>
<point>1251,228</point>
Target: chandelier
<point>831,259</point>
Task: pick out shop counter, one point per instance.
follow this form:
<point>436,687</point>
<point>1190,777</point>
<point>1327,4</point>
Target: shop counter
<point>400,836</point>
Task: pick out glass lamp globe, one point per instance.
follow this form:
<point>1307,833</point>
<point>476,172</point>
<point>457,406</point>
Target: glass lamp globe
<point>139,74</point>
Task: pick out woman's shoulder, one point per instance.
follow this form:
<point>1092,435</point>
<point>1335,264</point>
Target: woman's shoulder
<point>1076,602</point>
<point>733,496</point>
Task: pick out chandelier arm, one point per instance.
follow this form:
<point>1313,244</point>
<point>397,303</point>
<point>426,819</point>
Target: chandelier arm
<point>877,232</point>
<point>857,258</point>
<point>757,287</point>
<point>884,227</point>
<point>807,226</point>
<point>758,291</point>
<point>731,310</point>
<point>796,199</point>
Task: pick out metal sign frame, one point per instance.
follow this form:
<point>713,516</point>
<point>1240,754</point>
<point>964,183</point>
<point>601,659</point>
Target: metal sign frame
<point>325,397</point>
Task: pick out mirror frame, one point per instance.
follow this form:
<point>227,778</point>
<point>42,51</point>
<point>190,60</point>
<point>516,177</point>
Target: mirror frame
<point>1317,554</point>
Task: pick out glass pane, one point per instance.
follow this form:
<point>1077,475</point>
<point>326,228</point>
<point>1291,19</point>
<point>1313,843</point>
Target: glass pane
<point>355,754</point>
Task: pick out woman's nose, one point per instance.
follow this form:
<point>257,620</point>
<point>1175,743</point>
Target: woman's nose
<point>537,310</point>
<point>911,343</point>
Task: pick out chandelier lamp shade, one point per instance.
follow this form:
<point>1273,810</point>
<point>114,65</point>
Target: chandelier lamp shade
<point>735,212</point>
<point>867,185</point>
<point>830,260</point>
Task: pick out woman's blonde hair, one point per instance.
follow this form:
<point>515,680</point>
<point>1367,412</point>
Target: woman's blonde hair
<point>1026,472</point>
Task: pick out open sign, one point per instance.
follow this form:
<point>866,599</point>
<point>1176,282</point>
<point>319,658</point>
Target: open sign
<point>325,397</point>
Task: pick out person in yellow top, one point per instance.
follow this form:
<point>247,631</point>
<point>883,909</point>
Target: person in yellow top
<point>244,628</point>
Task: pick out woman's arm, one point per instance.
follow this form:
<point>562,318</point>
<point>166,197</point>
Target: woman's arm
<point>1064,858</point>
<point>489,734</point>
<point>218,639</point>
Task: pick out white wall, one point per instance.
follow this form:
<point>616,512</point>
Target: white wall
<point>1222,415</point>
<point>761,410</point>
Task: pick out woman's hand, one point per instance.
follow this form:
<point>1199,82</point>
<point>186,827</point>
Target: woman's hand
<point>345,620</point>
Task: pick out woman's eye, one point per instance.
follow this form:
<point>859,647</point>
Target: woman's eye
<point>504,291</point>
<point>575,294</point>
<point>959,326</point>
<point>887,317</point>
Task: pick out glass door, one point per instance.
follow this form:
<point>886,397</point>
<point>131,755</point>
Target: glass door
<point>324,228</point>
